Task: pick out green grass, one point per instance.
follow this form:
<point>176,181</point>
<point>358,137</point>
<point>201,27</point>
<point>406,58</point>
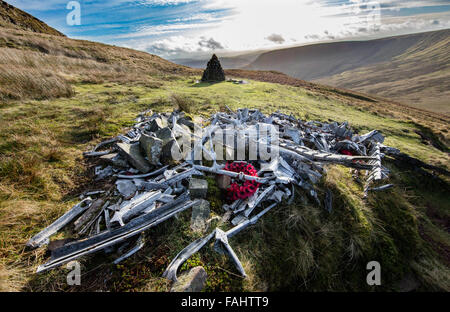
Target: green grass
<point>297,247</point>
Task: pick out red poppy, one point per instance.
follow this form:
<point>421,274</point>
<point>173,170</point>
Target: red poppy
<point>346,152</point>
<point>238,189</point>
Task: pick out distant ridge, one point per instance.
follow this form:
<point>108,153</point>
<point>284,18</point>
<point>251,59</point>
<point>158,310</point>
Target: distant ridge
<point>12,17</point>
<point>414,69</point>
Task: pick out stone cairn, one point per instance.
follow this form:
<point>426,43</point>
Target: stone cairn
<point>213,71</point>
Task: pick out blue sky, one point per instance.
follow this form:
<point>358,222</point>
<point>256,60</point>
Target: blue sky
<point>190,28</point>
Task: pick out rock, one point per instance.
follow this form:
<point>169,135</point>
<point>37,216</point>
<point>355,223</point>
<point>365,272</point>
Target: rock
<point>165,135</point>
<point>152,147</point>
<point>176,150</point>
<point>169,151</point>
<point>194,281</point>
<point>101,174</point>
<point>115,159</point>
<point>157,124</point>
<point>187,121</point>
<point>223,181</point>
<point>181,131</point>
<point>134,155</point>
<point>126,188</point>
<point>213,71</point>
<point>198,188</point>
<point>200,216</point>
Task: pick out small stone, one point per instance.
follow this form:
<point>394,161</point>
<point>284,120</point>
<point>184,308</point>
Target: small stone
<point>198,188</point>
<point>101,174</point>
<point>157,124</point>
<point>223,181</point>
<point>181,131</point>
<point>152,147</point>
<point>165,135</point>
<point>134,155</point>
<point>194,281</point>
<point>200,216</point>
<point>226,216</point>
<point>176,150</point>
<point>126,188</point>
<point>187,121</point>
<point>115,159</point>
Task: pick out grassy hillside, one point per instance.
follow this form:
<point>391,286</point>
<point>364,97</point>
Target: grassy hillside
<point>12,17</point>
<point>42,66</point>
<point>419,77</point>
<point>413,69</point>
<point>73,94</point>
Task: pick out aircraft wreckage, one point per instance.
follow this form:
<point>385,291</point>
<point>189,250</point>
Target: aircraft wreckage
<point>151,188</point>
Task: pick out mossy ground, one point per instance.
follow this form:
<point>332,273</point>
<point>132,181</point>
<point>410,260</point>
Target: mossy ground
<point>296,247</point>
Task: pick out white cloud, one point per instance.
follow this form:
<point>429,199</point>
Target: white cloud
<point>238,25</point>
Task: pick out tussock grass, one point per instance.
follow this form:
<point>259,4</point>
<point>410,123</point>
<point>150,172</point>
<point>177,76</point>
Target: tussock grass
<point>182,103</point>
<point>40,66</point>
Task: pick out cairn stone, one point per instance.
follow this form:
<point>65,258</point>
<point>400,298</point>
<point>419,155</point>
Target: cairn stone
<point>193,281</point>
<point>214,71</point>
<point>152,147</point>
<point>198,188</point>
<point>133,153</point>
<point>200,216</point>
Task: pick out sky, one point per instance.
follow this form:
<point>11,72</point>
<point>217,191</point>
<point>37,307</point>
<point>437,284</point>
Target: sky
<point>193,28</point>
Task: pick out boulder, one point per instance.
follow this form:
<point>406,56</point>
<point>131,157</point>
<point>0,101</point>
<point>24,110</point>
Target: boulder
<point>133,153</point>
<point>104,173</point>
<point>152,147</point>
<point>200,216</point>
<point>198,188</point>
<point>193,281</point>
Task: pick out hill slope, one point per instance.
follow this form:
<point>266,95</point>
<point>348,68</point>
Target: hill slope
<point>227,62</point>
<point>13,17</point>
<point>62,96</point>
<point>411,68</point>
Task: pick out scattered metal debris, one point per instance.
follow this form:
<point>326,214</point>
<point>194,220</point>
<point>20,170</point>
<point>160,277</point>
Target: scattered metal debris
<point>149,187</point>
